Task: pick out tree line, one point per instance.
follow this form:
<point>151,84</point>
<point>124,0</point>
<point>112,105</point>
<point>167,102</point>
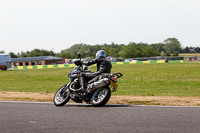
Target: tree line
<point>169,47</point>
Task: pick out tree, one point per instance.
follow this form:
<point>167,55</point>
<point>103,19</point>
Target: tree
<point>187,50</point>
<point>13,55</point>
<point>158,47</point>
<point>2,51</point>
<point>197,49</point>
<point>149,51</point>
<point>38,52</point>
<point>112,49</point>
<point>131,51</point>
<point>23,54</point>
<point>176,53</point>
<point>171,45</point>
<point>64,55</point>
<point>162,53</point>
<point>76,49</point>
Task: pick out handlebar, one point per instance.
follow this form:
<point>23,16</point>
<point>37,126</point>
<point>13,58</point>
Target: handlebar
<point>78,63</point>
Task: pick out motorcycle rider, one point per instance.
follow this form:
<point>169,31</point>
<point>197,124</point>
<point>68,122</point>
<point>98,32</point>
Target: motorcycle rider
<point>103,66</point>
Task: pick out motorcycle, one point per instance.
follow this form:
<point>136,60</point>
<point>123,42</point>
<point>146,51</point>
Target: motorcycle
<point>98,90</point>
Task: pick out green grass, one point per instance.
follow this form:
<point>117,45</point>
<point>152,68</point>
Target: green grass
<point>170,79</point>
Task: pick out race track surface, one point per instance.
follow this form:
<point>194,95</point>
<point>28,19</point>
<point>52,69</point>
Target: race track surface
<point>29,117</point>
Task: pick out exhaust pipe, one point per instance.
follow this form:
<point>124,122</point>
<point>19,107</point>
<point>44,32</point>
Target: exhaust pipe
<point>98,84</point>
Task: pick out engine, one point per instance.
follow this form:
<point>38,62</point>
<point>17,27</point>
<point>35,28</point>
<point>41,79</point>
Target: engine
<point>75,85</point>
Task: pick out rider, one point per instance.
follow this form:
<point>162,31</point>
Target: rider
<point>103,66</point>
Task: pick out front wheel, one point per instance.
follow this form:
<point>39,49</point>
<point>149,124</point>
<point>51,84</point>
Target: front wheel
<point>100,97</point>
<point>61,98</point>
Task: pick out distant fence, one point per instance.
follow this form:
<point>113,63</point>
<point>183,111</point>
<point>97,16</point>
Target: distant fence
<point>73,65</point>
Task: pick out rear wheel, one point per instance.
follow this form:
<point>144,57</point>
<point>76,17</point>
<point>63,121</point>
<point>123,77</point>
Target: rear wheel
<point>100,97</point>
<point>61,98</point>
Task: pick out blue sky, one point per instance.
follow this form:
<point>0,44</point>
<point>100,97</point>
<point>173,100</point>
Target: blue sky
<point>57,25</point>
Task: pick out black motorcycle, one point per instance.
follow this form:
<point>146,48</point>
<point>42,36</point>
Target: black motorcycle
<point>98,89</point>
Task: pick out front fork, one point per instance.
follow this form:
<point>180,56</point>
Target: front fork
<point>66,86</point>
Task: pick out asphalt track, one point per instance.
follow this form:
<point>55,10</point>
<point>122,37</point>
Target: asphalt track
<point>30,117</point>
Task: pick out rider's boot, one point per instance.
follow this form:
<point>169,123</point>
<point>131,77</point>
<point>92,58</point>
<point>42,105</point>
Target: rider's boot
<point>82,83</point>
<point>83,87</point>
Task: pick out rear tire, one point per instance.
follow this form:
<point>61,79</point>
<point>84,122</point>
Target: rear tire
<point>100,97</point>
<point>60,99</point>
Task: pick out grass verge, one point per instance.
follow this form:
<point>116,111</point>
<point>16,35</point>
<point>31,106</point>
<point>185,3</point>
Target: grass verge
<point>131,100</point>
<point>171,79</point>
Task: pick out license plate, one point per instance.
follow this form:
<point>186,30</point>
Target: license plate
<point>113,84</point>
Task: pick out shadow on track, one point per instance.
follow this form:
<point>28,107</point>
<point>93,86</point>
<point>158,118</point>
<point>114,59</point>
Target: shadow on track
<point>89,105</point>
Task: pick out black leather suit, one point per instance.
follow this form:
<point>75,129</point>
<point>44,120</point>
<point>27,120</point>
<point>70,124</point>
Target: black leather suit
<point>103,66</point>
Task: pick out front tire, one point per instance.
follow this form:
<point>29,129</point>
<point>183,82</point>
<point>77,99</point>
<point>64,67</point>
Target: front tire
<point>100,97</point>
<point>61,98</point>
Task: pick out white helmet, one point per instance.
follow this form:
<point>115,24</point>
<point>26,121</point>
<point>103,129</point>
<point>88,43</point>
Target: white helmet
<point>100,53</point>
